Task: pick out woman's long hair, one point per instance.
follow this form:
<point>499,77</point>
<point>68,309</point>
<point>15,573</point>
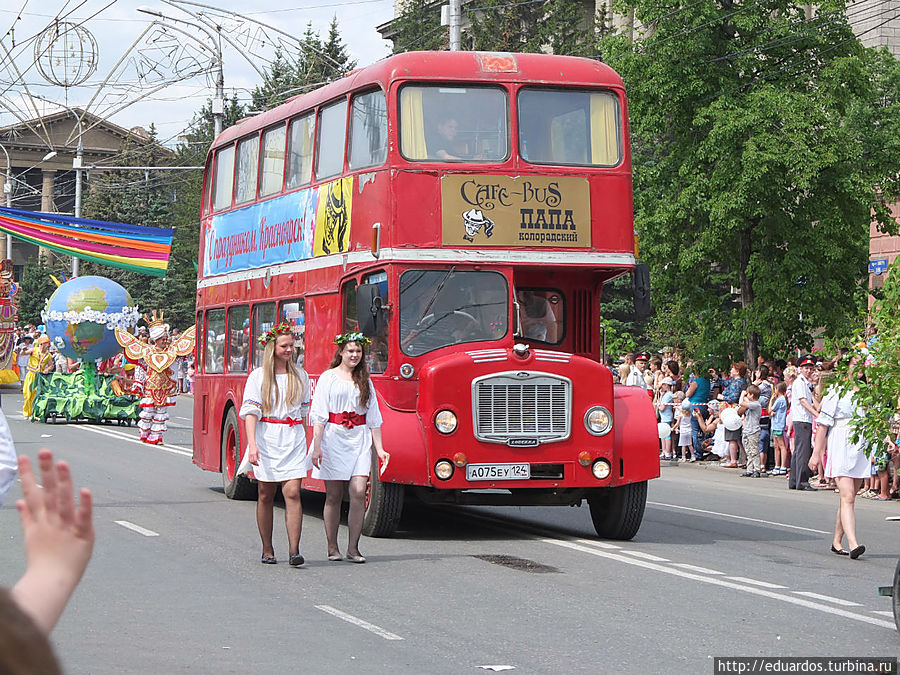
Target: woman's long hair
<point>270,393</point>
<point>360,373</point>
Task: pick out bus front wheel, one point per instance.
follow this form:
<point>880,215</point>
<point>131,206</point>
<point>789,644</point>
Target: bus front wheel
<point>384,505</point>
<point>236,487</point>
<point>617,512</point>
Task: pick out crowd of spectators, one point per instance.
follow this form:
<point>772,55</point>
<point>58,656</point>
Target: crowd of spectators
<point>760,421</point>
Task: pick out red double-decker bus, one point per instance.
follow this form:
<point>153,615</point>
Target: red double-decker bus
<point>464,210</point>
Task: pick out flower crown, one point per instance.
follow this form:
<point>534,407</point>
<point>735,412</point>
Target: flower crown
<point>354,336</point>
<point>276,330</point>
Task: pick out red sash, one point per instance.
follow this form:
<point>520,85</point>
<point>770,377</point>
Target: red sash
<point>347,419</point>
<point>290,421</point>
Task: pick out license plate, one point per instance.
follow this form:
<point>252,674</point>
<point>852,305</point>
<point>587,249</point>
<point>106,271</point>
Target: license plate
<point>498,471</point>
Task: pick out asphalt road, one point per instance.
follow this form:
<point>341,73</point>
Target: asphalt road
<point>722,566</point>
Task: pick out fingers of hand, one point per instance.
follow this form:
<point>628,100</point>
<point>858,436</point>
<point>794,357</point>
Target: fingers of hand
<point>48,480</point>
<point>32,502</point>
<point>84,524</point>
<point>65,493</point>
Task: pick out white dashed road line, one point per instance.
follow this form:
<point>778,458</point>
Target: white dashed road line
<point>646,556</point>
<point>734,517</point>
<point>757,582</point>
<point>713,581</point>
<point>600,544</point>
<point>694,568</point>
<point>136,528</point>
<point>828,598</point>
<point>349,618</point>
<point>882,613</point>
<point>168,447</point>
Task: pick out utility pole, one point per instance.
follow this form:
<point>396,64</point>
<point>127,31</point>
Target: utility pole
<point>7,188</point>
<point>455,25</point>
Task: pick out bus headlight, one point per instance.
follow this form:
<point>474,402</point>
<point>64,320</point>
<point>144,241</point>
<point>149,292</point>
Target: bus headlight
<point>443,469</point>
<point>445,422</point>
<point>601,469</point>
<point>598,421</point>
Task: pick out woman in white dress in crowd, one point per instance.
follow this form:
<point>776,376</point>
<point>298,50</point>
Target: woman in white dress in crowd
<point>346,424</point>
<point>276,400</point>
<point>846,463</point>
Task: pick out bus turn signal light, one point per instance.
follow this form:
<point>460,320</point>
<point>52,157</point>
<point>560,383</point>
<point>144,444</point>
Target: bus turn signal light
<point>460,459</point>
<point>584,458</point>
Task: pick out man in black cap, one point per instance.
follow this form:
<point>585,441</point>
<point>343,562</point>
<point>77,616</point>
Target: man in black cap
<point>803,414</point>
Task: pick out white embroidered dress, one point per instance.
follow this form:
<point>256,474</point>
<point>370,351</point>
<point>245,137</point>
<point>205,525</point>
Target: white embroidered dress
<point>845,458</point>
<point>345,452</point>
<point>282,447</point>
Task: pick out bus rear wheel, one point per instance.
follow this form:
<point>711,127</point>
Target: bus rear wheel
<point>236,487</point>
<point>384,505</point>
<point>617,512</point>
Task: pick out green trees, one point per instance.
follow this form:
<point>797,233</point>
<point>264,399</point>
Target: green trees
<point>762,141</point>
<point>321,62</point>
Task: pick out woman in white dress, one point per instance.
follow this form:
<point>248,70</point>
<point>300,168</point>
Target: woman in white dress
<point>276,400</point>
<point>346,424</point>
<point>847,463</point>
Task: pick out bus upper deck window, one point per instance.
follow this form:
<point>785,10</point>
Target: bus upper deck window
<point>247,170</point>
<point>272,161</point>
<point>332,134</point>
<point>368,130</point>
<point>301,151</point>
<point>224,180</point>
<point>454,124</point>
<point>569,127</point>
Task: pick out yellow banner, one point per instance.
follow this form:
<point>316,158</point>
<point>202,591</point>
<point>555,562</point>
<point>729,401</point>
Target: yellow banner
<point>333,217</point>
<point>515,211</point>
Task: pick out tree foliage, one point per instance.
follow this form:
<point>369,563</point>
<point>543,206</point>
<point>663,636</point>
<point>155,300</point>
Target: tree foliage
<point>762,141</point>
<point>36,288</point>
<point>320,62</point>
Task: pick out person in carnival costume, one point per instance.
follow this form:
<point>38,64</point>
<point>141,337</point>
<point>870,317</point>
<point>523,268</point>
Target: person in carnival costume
<point>41,361</point>
<point>346,424</point>
<point>276,401</point>
<point>156,359</point>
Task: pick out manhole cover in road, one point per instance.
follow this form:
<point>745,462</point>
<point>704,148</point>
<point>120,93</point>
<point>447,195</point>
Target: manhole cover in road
<point>515,563</point>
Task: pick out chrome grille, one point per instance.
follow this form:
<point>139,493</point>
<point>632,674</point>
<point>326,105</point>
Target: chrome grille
<point>521,405</point>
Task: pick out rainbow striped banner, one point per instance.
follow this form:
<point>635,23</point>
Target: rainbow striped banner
<point>132,247</point>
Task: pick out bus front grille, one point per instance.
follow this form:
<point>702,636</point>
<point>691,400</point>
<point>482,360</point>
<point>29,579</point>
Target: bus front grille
<point>522,409</point>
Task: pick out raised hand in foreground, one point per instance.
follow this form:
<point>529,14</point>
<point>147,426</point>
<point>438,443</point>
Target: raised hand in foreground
<point>59,539</point>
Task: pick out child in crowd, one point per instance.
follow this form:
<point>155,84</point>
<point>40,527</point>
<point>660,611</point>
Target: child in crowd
<point>666,413</point>
<point>711,425</point>
<point>881,464</point>
<point>750,407</point>
<point>778,417</point>
<point>683,422</point>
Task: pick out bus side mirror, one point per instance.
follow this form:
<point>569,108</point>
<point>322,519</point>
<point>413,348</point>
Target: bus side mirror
<point>641,287</point>
<point>370,310</point>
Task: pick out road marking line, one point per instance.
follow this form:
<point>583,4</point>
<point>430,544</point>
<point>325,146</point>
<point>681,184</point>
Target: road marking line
<point>694,568</point>
<point>136,528</point>
<point>729,515</point>
<point>174,449</point>
<point>646,556</point>
<point>722,583</point>
<point>599,544</point>
<point>828,598</point>
<point>889,614</point>
<point>179,417</point>
<point>349,618</point>
<point>756,582</point>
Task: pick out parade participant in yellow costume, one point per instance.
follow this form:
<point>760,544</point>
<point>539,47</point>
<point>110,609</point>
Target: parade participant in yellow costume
<point>41,361</point>
<point>156,359</point>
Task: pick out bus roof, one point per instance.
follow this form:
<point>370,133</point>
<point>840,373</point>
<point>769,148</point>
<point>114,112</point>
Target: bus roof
<point>440,66</point>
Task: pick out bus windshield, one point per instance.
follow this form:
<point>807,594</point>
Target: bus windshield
<point>439,308</point>
<point>454,124</point>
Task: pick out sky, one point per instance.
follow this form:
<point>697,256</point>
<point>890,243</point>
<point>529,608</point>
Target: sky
<point>116,24</point>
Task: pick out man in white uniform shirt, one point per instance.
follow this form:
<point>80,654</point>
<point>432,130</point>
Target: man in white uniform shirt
<point>803,414</point>
<point>636,374</point>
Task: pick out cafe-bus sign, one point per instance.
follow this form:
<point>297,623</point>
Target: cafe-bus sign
<point>515,211</point>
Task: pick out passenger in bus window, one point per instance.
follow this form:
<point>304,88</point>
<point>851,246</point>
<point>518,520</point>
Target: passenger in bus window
<point>276,401</point>
<point>537,317</point>
<point>346,426</point>
<point>447,144</point>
